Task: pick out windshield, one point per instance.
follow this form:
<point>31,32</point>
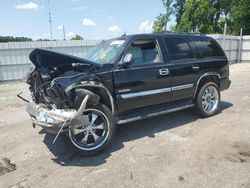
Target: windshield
<point>105,51</point>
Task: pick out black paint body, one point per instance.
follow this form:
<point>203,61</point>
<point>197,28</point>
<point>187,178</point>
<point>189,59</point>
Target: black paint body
<point>132,79</point>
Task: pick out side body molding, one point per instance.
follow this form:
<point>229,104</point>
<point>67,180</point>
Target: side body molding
<point>204,75</point>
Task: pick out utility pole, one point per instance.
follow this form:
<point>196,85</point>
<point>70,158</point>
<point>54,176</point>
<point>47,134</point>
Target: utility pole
<point>64,33</point>
<point>239,47</point>
<point>224,35</point>
<point>50,22</point>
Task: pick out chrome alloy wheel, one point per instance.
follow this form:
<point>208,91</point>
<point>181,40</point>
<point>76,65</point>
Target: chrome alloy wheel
<point>210,99</point>
<point>93,134</point>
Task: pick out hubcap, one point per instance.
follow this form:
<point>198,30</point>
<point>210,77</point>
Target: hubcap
<point>91,134</point>
<point>210,99</point>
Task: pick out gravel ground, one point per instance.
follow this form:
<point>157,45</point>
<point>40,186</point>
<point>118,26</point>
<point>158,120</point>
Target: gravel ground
<point>174,150</point>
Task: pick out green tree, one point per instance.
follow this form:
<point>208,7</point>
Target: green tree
<point>161,22</point>
<point>201,16</point>
<point>209,16</point>
<point>179,9</point>
<point>205,16</point>
<point>239,16</point>
<point>43,40</point>
<point>14,39</point>
<point>77,37</point>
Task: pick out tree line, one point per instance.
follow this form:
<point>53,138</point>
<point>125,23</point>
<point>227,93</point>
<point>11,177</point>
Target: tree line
<point>205,16</point>
<point>26,39</point>
<point>14,39</point>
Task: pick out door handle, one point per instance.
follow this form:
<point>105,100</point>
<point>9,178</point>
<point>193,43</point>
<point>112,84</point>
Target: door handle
<point>164,72</point>
<point>195,68</point>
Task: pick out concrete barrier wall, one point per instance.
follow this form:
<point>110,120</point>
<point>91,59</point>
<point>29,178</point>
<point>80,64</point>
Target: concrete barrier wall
<point>15,63</point>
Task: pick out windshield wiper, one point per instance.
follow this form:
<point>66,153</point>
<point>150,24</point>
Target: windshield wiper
<point>94,68</point>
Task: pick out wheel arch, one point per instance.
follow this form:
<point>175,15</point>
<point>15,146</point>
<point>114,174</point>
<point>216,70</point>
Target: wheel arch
<point>99,89</point>
<point>205,78</point>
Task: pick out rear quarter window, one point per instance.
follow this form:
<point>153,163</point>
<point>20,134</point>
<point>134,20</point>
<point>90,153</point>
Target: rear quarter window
<point>178,49</point>
<point>208,47</point>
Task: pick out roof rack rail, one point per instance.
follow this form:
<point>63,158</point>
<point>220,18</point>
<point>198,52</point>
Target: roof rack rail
<point>161,32</point>
<point>195,33</point>
<point>170,32</point>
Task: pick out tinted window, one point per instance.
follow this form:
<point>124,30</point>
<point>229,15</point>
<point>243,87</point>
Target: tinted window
<point>178,48</point>
<point>145,51</point>
<point>208,47</point>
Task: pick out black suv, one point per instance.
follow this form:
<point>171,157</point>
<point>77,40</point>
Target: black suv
<point>123,80</point>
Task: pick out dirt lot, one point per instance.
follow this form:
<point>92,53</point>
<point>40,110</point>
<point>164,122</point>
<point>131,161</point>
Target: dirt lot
<point>175,150</point>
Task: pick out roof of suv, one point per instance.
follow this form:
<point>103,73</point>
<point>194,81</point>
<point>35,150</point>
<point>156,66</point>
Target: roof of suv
<point>162,34</point>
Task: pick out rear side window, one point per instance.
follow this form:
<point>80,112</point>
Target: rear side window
<point>208,47</point>
<point>178,48</point>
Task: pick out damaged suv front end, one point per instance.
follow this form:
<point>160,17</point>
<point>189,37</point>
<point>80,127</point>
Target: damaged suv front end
<point>51,106</point>
<point>65,87</point>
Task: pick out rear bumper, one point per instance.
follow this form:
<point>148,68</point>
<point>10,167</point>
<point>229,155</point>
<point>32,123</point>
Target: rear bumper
<point>225,84</point>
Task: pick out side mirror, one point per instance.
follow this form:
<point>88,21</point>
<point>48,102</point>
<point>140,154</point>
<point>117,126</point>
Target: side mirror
<point>127,60</point>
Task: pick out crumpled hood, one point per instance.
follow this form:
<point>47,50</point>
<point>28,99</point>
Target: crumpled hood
<point>47,58</point>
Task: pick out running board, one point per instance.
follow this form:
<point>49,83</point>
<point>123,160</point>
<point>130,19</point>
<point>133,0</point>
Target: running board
<point>123,120</point>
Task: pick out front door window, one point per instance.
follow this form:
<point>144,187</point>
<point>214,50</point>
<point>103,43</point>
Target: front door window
<point>145,51</point>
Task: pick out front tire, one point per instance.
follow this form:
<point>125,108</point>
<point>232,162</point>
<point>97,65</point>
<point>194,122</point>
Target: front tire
<point>208,99</point>
<point>97,131</point>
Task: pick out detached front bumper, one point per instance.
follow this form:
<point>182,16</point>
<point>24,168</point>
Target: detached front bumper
<point>47,118</point>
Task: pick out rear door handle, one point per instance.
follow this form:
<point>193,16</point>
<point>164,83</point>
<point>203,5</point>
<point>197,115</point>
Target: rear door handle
<point>196,68</point>
<point>164,72</point>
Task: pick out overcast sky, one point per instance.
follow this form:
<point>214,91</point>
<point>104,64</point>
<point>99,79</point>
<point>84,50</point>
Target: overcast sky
<point>95,19</point>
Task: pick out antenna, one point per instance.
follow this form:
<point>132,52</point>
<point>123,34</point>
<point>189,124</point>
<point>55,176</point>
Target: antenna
<point>50,21</point>
<point>125,33</point>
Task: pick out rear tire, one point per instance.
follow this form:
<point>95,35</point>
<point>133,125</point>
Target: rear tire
<point>207,100</point>
<point>94,136</point>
